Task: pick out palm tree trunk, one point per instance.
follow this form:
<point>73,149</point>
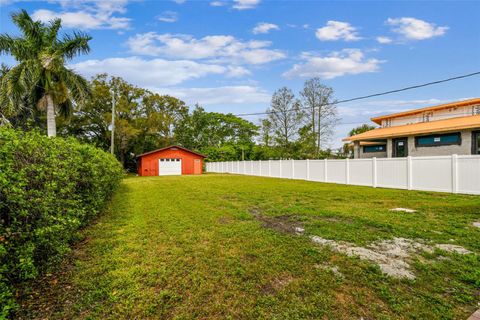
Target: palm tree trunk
<point>51,125</point>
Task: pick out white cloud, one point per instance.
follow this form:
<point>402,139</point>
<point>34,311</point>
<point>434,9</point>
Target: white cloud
<point>264,27</point>
<point>384,40</point>
<point>218,3</point>
<point>237,71</point>
<point>340,63</point>
<point>218,48</point>
<point>337,30</point>
<point>168,16</point>
<point>149,73</point>
<point>88,14</point>
<point>415,29</point>
<point>218,95</point>
<point>245,4</point>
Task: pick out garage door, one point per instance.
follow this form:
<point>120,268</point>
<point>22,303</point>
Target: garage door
<point>169,167</point>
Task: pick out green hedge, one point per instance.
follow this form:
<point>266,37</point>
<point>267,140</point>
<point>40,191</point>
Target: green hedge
<point>49,188</point>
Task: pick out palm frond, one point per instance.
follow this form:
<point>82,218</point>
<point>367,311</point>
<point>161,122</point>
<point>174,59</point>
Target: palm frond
<point>11,90</point>
<point>72,46</point>
<point>33,30</point>
<point>53,28</point>
<point>17,47</point>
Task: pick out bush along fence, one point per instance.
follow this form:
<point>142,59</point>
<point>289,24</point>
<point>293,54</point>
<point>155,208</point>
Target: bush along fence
<point>49,188</point>
<point>457,174</point>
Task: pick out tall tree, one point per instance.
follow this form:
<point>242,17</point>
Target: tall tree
<point>286,117</point>
<point>360,129</point>
<point>41,75</point>
<point>219,136</point>
<point>322,111</point>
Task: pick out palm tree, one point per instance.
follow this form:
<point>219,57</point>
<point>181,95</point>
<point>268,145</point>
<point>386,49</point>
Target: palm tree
<point>41,77</point>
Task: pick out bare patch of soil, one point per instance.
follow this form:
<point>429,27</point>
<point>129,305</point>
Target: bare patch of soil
<point>277,284</point>
<point>285,223</point>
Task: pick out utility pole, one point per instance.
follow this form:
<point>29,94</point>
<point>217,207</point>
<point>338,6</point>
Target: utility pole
<point>112,140</point>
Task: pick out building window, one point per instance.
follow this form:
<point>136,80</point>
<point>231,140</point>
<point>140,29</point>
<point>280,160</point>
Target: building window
<point>439,140</point>
<point>476,110</point>
<point>427,116</point>
<point>379,148</point>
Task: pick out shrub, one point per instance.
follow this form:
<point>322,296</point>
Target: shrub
<point>49,188</point>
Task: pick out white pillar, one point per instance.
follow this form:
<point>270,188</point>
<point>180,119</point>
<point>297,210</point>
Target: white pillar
<point>409,173</point>
<point>454,173</point>
<point>347,171</point>
<point>293,169</point>
<point>326,169</point>
<point>374,172</point>
<point>308,169</point>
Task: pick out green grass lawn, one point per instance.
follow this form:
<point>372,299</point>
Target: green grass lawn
<point>216,247</point>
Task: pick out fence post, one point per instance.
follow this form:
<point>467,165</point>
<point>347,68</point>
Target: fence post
<point>293,169</point>
<point>281,168</point>
<point>454,173</point>
<point>244,167</point>
<point>269,168</point>
<point>251,167</point>
<point>260,167</point>
<point>347,171</point>
<point>308,169</point>
<point>409,173</point>
<point>326,170</point>
<point>374,172</point>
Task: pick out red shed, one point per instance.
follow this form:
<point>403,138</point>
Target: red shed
<point>173,160</point>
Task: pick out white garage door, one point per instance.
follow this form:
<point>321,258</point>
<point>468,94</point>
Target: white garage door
<point>169,167</point>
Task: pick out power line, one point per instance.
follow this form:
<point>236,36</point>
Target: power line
<point>374,94</point>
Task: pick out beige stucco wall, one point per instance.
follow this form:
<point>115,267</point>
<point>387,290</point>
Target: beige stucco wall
<point>464,149</point>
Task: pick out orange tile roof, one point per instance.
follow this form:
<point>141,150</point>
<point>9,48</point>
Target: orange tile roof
<point>378,120</point>
<point>446,125</point>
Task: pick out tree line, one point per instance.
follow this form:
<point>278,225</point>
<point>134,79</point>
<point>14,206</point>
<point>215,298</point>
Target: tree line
<point>40,92</point>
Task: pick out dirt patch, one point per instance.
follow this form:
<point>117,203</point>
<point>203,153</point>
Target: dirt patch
<point>285,223</point>
<point>453,248</point>
<point>476,224</point>
<point>225,220</point>
<point>392,256</point>
<point>277,284</point>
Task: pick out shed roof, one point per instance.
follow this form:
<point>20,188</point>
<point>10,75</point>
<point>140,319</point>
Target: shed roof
<point>169,147</point>
<point>445,125</point>
<point>378,120</point>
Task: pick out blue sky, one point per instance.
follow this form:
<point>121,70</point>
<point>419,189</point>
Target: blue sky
<point>230,56</point>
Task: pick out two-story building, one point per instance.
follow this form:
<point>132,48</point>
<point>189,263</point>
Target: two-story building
<point>452,128</point>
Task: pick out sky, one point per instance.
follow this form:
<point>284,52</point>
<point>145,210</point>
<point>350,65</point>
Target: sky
<point>230,56</point>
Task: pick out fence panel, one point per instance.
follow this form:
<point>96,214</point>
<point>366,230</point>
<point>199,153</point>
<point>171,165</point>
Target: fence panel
<point>287,171</point>
<point>392,173</point>
<point>255,168</point>
<point>468,174</point>
<point>275,168</point>
<point>432,174</point>
<point>336,171</point>
<point>361,172</point>
<point>317,170</point>
<point>300,169</point>
<point>264,168</point>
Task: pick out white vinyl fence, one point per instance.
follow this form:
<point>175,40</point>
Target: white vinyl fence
<point>457,174</point>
